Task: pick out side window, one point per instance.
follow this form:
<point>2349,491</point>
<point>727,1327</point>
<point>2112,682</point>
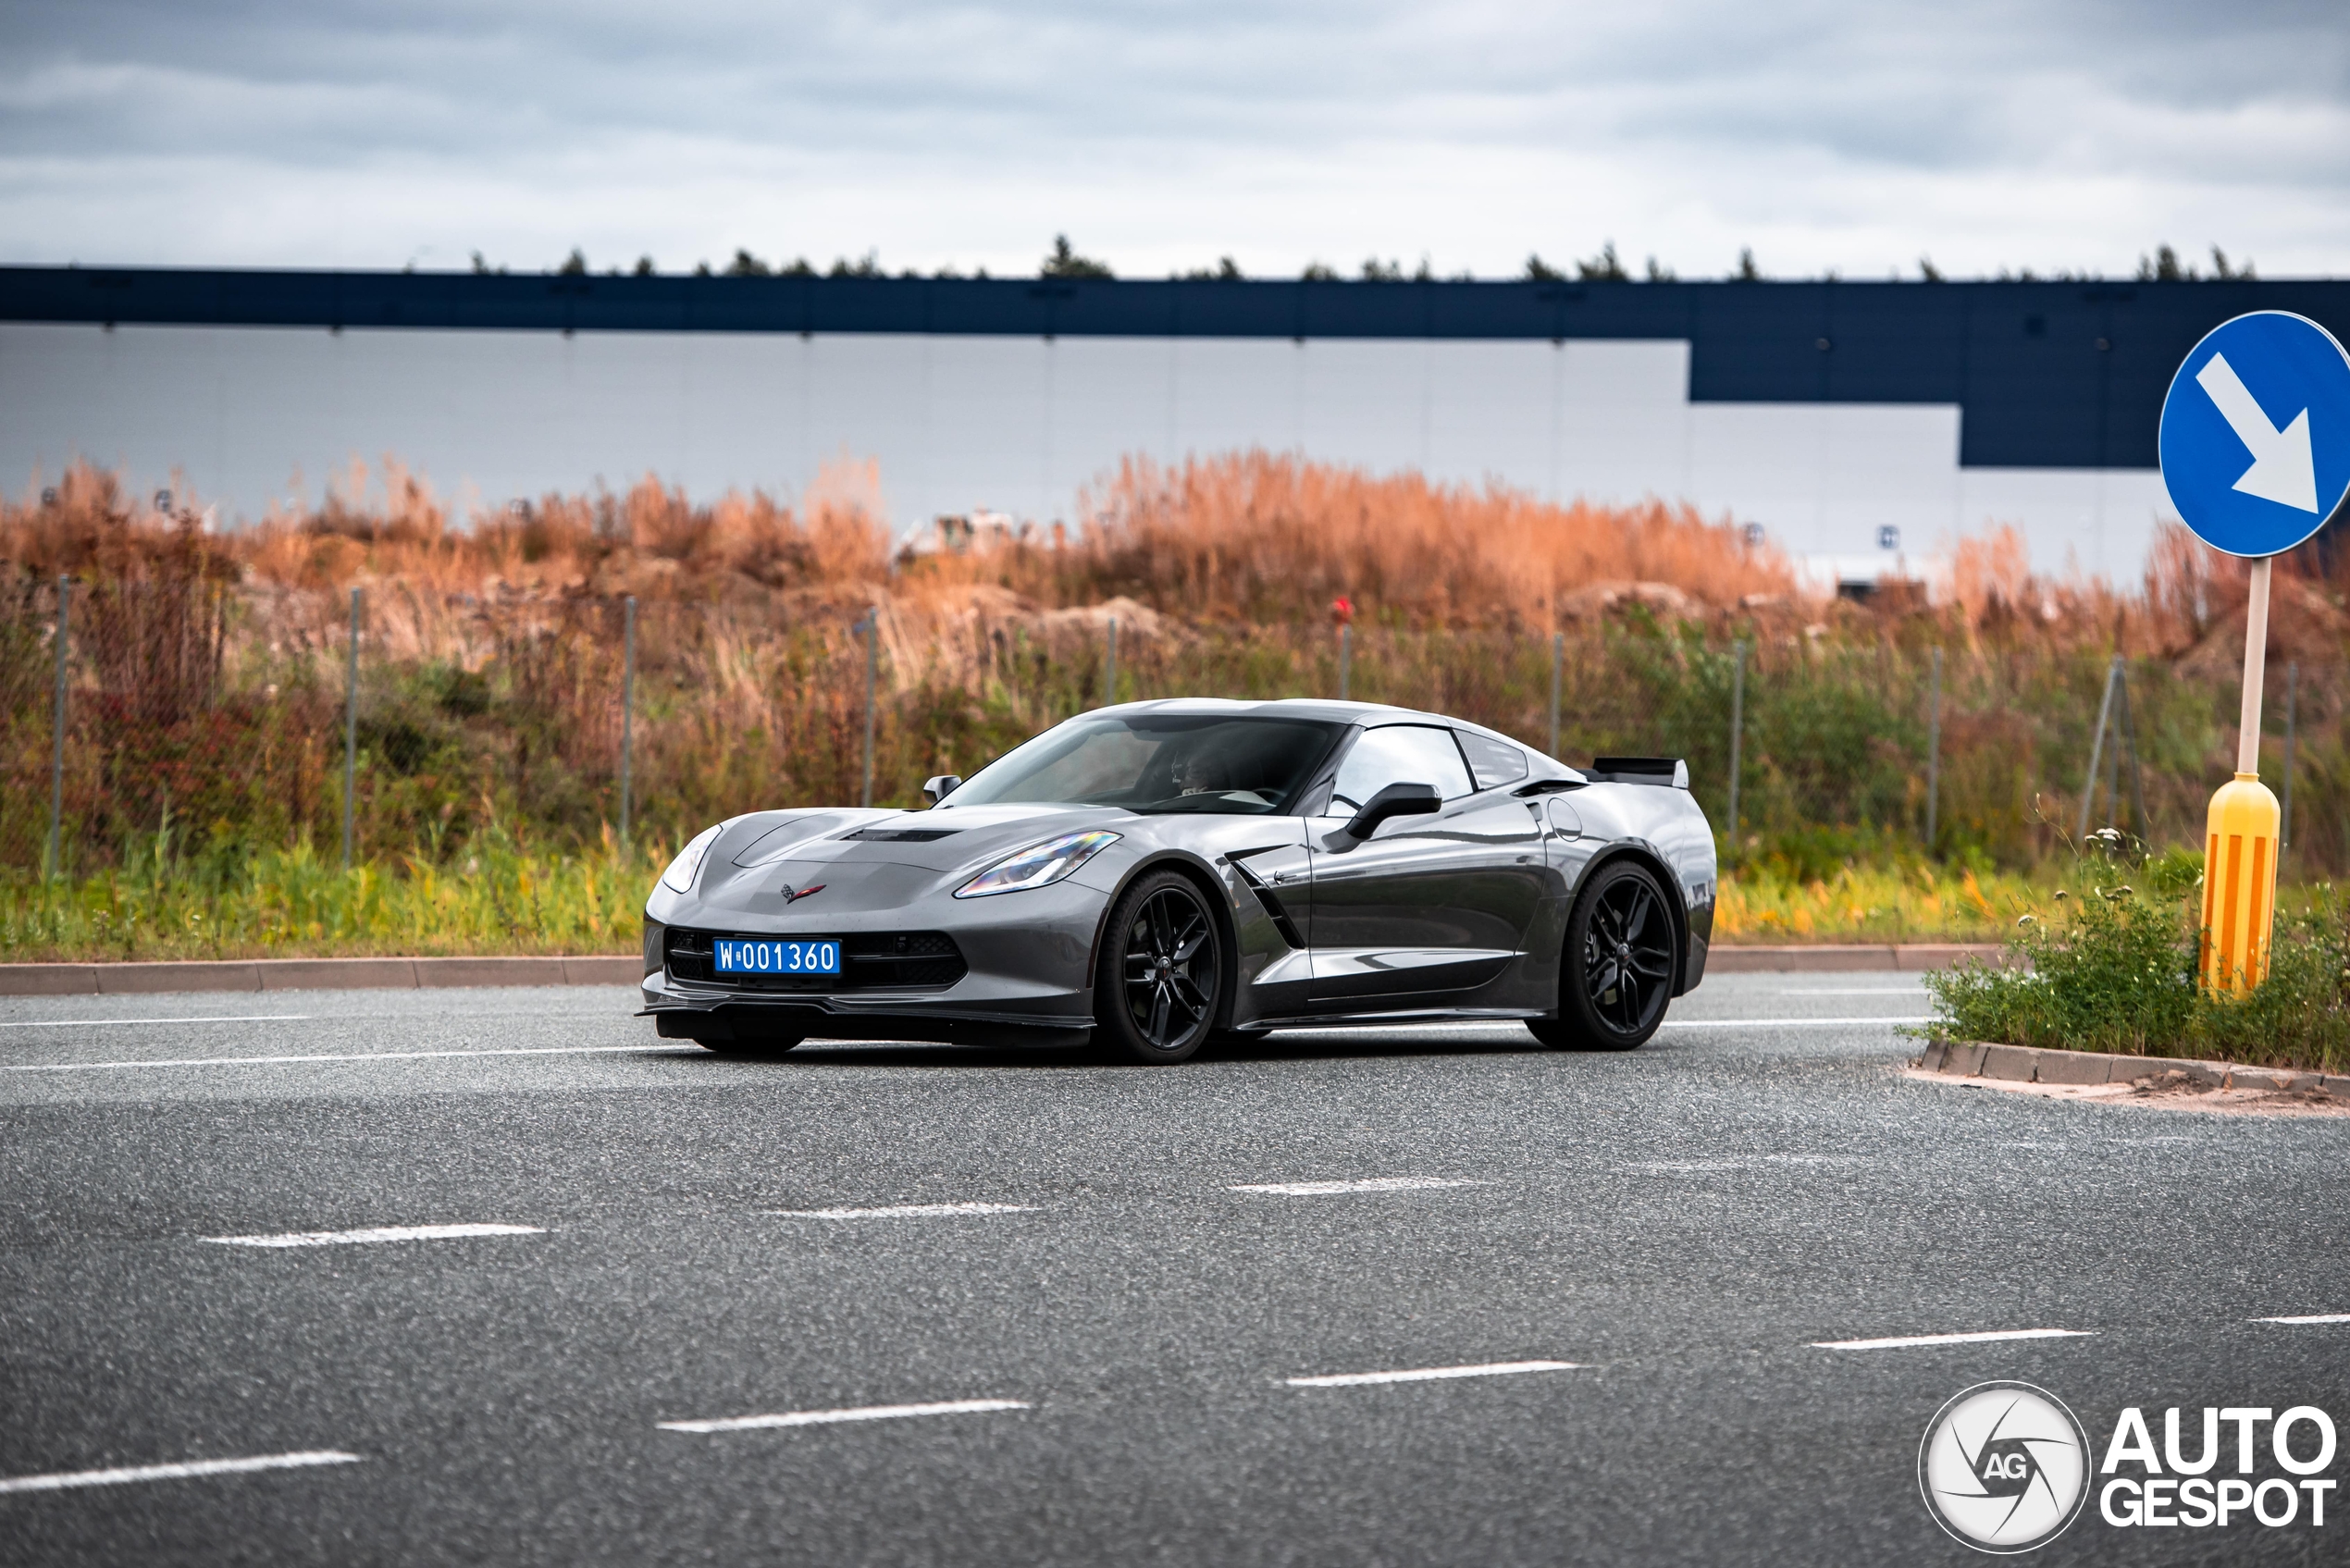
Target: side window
<point>1493,761</point>
<point>1399,754</point>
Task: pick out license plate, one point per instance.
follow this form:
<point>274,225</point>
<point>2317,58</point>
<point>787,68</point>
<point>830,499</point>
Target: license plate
<point>810,956</point>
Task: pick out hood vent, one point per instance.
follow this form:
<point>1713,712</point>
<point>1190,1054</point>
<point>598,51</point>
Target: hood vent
<point>901,835</point>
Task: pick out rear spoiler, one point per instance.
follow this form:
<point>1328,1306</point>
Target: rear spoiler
<point>1666,772</point>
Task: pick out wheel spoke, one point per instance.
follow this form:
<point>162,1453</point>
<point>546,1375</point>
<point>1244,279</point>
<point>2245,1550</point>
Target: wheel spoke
<point>1639,921</point>
<point>1606,980</point>
<point>1189,997</point>
<point>1653,963</point>
<point>1191,945</point>
<point>1156,1033</point>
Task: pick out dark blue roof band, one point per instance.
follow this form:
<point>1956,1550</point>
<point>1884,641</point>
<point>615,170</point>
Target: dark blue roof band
<point>2048,374</point>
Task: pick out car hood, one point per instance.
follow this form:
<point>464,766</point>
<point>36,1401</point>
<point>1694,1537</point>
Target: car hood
<point>956,839</point>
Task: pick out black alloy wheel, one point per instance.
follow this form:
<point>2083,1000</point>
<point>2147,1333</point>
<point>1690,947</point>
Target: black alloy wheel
<point>1617,973</point>
<point>1161,976</point>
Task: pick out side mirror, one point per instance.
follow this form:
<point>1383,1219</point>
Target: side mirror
<point>941,788</point>
<point>1395,800</point>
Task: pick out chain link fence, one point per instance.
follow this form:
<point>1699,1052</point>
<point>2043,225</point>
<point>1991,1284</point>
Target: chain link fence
<point>204,717</point>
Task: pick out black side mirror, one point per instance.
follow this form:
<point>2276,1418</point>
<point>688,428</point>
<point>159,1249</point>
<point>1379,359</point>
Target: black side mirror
<point>1395,800</point>
<point>941,788</point>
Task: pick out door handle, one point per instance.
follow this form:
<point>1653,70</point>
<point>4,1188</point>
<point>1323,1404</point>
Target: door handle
<point>1287,876</point>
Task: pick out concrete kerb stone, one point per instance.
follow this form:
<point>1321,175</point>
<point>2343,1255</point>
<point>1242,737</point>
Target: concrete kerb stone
<point>1844,958</point>
<point>616,968</point>
<point>2019,1063</point>
<point>313,974</point>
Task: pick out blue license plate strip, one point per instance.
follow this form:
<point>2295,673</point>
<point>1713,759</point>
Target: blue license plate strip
<point>818,955</point>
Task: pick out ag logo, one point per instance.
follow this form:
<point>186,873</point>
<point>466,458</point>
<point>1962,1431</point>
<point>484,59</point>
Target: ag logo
<point>2004,1467</point>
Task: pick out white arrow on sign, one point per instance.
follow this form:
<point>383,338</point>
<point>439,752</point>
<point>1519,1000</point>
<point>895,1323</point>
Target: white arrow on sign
<point>2282,470</point>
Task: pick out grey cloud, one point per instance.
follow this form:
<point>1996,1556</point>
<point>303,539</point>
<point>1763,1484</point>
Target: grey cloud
<point>250,95</point>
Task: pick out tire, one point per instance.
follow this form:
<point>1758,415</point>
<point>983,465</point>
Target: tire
<point>750,1050</point>
<point>1159,986</point>
<point>1615,977</point>
<point>727,1036</point>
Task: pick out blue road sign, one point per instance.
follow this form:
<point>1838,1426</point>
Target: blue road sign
<point>2256,433</point>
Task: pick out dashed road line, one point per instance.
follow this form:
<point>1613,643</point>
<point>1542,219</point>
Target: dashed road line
<point>65,1480</point>
<point>830,1417</point>
<point>1369,1184</point>
<point>1433,1374</point>
<point>1914,1341</point>
<point>375,1234</point>
<point>908,1211</point>
<point>93,1024</point>
<point>2314,1317</point>
<point>1858,990</point>
<point>353,1056</point>
<point>1780,1023</point>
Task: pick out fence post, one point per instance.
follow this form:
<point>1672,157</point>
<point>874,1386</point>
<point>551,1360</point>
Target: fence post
<point>58,724</point>
<point>2292,698</point>
<point>2096,750</point>
<point>350,733</point>
<point>1345,657</point>
<point>1934,754</point>
<point>1109,668</point>
<point>872,674</point>
<point>628,706</point>
<point>1558,673</point>
<point>1738,734</point>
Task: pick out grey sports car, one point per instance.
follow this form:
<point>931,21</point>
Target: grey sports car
<point>1153,875</point>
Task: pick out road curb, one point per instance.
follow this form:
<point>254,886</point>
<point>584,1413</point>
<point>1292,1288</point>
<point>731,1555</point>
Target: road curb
<point>625,968</point>
<point>2025,1064</point>
<point>1845,958</point>
<point>315,974</point>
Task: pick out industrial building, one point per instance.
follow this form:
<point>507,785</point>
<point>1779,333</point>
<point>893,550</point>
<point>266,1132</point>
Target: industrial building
<point>1861,427</point>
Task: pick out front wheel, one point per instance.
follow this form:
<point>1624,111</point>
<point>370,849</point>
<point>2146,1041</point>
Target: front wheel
<point>1161,978</point>
<point>1617,973</point>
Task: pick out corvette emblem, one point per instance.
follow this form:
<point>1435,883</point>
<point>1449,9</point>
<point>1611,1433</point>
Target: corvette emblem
<point>791,898</point>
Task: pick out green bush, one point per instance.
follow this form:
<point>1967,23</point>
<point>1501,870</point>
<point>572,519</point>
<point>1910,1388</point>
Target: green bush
<point>2115,971</point>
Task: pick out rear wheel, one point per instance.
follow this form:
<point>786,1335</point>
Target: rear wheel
<point>1617,971</point>
<point>1161,976</point>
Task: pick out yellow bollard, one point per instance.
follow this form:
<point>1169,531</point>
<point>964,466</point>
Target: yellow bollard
<point>2239,885</point>
<point>2239,833</point>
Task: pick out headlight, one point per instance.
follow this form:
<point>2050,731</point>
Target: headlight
<point>1038,865</point>
<point>680,874</point>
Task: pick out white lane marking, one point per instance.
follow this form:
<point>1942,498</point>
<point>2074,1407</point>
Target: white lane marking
<point>2316,1317</point>
<point>64,1479</point>
<point>1859,991</point>
<point>1779,1023</point>
<point>379,1233</point>
<point>1432,1374</point>
<point>828,1417</point>
<point>358,1056</point>
<point>1370,1184</point>
<point>1984,1337</point>
<point>908,1211</point>
<point>222,1017</point>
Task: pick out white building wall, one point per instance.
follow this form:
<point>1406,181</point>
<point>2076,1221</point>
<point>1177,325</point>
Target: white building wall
<point>249,415</point>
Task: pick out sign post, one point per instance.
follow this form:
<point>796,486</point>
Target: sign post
<point>2274,387</point>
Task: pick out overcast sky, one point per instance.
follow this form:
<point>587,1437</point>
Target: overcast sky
<point>1829,136</point>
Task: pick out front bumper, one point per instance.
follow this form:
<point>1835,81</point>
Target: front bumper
<point>1026,961</point>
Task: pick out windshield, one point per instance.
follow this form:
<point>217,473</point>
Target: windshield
<point>1159,762</point>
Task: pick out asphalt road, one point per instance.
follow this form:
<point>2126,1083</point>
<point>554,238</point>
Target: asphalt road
<point>1684,1225</point>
